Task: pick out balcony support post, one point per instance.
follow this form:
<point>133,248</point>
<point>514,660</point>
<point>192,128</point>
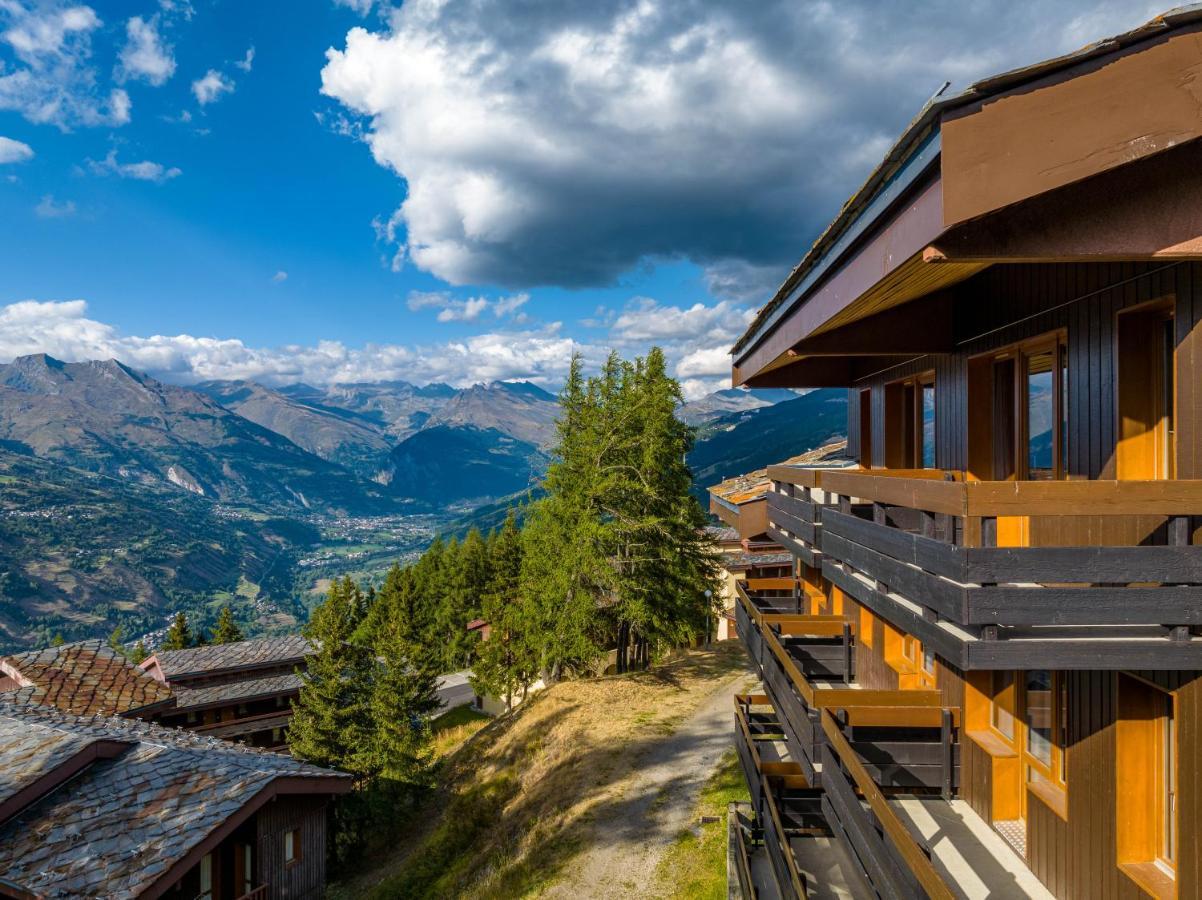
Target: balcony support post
<point>847,673</point>
<point>949,758</point>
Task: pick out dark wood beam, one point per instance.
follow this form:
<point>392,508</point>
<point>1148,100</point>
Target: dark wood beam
<point>920,327</point>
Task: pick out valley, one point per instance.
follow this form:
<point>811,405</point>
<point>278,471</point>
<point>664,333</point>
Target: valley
<point>124,499</point>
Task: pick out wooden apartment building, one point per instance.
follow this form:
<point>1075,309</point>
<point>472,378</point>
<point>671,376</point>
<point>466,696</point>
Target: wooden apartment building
<point>993,688</point>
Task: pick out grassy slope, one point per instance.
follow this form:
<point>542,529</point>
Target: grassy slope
<point>520,795</point>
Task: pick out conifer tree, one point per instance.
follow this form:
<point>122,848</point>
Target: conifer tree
<point>467,581</point>
<point>179,635</point>
<point>331,724</point>
<point>57,641</point>
<point>402,701</point>
<point>227,630</point>
<point>504,664</point>
<point>116,640</point>
<point>138,655</point>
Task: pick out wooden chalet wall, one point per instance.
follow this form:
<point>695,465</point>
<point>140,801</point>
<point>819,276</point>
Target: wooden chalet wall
<point>1005,304</point>
<point>305,878</point>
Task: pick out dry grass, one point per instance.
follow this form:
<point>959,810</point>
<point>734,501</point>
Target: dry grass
<point>452,729</point>
<point>521,793</point>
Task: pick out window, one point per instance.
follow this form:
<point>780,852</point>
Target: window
<point>865,457</point>
<point>1146,772</point>
<point>928,662</point>
<point>206,878</point>
<point>292,846</point>
<point>1002,706</point>
<point>191,718</point>
<point>910,423</point>
<point>1022,393</point>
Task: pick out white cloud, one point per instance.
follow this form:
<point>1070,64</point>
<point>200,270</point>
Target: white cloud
<point>279,276</point>
<point>141,171</point>
<point>705,361</point>
<point>248,61</point>
<point>644,319</point>
<point>49,208</point>
<point>210,88</point>
<point>50,78</point>
<point>144,55</point>
<point>565,143</point>
<point>181,7</point>
<point>13,151</point>
<point>64,330</point>
<point>454,309</point>
<point>362,7</point>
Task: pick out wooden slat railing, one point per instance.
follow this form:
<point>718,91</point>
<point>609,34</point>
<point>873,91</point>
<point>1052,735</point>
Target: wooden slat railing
<point>907,847</point>
<point>259,893</point>
<point>789,879</point>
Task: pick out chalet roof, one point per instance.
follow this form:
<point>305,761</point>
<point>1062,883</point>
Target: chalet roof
<point>84,678</point>
<point>722,534</point>
<point>257,653</point>
<point>742,561</point>
<point>833,243</point>
<point>251,689</point>
<point>755,485</point>
<point>130,816</point>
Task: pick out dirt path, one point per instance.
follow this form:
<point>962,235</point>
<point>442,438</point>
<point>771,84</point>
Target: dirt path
<point>651,808</point>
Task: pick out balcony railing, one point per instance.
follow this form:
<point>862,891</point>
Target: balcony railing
<point>259,893</point>
<point>898,864</point>
<point>996,574</point>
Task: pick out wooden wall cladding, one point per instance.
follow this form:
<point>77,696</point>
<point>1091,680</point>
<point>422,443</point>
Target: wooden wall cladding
<point>1010,303</point>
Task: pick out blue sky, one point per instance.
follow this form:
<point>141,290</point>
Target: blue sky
<point>449,189</point>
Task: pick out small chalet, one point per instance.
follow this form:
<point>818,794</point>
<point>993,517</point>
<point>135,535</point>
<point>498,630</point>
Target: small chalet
<point>241,691</point>
<point>104,806</point>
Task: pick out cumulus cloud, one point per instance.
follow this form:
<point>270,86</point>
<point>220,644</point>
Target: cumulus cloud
<point>140,171</point>
<point>564,143</point>
<point>644,319</point>
<point>64,330</point>
<point>49,208</point>
<point>145,56</point>
<point>48,76</point>
<point>248,61</point>
<point>13,151</point>
<point>455,309</point>
<point>279,276</point>
<point>209,88</point>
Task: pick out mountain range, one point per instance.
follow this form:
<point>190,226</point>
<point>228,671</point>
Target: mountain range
<point>123,497</point>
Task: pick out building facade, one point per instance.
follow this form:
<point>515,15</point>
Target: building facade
<point>992,689</point>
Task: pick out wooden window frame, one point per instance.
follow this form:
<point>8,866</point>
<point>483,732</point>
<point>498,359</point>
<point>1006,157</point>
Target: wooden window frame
<point>904,654</point>
<point>904,422</point>
<point>1019,351</point>
<point>1145,819</point>
<point>295,835</point>
<point>1054,772</point>
<point>865,455</point>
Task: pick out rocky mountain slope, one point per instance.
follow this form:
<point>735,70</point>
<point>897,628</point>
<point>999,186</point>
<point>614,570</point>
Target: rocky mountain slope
<point>745,441</point>
<point>702,412</point>
<point>104,417</point>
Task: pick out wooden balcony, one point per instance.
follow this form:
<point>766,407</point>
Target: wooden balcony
<point>1075,574</point>
<point>259,893</point>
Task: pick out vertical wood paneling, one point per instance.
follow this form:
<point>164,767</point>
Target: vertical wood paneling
<point>305,878</point>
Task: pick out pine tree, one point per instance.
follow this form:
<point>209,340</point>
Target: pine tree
<point>179,635</point>
<point>331,724</point>
<point>504,664</point>
<point>138,656</point>
<point>116,640</point>
<point>57,641</point>
<point>403,699</point>
<point>227,630</point>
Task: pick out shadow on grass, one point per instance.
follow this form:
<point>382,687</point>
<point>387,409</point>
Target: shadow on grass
<point>502,837</point>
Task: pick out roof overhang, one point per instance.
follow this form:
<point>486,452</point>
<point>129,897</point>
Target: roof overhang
<point>991,176</point>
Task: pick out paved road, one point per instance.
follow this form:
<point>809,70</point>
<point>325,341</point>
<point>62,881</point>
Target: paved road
<point>632,833</point>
